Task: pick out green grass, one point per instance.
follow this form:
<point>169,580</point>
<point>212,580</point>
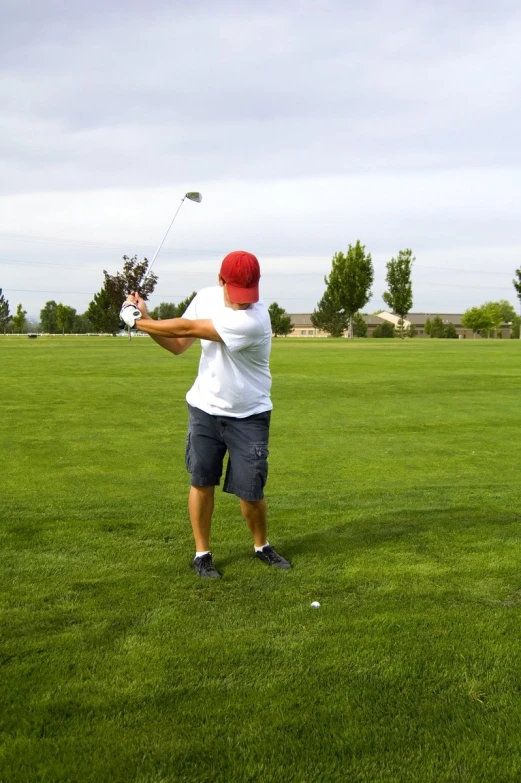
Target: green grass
<point>394,489</point>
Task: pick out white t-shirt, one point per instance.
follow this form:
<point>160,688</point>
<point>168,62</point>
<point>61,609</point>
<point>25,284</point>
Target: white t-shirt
<point>234,377</point>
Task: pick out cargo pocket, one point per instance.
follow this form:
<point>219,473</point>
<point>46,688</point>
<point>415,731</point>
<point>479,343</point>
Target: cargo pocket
<point>260,466</point>
<point>187,453</point>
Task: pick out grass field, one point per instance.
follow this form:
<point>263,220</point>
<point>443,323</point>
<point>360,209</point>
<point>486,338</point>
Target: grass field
<point>395,491</point>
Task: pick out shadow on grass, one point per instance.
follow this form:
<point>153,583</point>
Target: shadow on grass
<point>408,527</point>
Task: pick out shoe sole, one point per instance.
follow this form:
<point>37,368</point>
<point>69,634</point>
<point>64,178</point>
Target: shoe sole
<point>279,566</point>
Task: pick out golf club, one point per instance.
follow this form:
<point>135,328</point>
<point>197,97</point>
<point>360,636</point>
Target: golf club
<point>192,196</point>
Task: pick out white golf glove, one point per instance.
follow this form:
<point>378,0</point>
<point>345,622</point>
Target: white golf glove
<point>129,314</point>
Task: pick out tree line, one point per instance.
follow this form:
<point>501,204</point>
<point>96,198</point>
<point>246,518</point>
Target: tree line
<point>102,314</point>
<point>348,289</point>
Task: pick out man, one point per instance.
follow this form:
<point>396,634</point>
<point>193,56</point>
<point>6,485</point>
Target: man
<point>229,404</point>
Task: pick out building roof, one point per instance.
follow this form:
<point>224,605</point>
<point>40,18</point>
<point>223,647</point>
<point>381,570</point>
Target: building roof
<point>302,319</point>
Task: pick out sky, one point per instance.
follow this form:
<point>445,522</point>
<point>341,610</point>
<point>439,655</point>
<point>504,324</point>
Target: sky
<point>306,126</point>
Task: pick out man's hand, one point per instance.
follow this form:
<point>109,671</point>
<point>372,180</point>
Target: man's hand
<point>129,314</point>
<point>135,299</point>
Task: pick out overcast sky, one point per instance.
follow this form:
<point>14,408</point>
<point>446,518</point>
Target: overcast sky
<point>305,125</point>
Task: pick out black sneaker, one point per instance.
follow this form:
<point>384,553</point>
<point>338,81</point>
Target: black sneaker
<point>203,566</point>
<point>270,557</point>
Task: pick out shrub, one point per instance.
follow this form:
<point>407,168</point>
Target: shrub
<point>384,329</point>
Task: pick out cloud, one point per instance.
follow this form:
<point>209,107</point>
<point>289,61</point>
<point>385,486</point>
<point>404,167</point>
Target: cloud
<point>127,97</point>
<point>306,126</point>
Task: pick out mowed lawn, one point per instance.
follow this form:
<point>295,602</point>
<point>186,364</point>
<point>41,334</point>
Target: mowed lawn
<point>394,489</point>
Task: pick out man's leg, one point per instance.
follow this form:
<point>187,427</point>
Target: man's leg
<point>200,508</point>
<point>205,452</point>
<point>254,512</point>
<point>246,474</point>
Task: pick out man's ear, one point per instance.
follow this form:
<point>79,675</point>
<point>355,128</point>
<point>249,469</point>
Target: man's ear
<point>221,281</point>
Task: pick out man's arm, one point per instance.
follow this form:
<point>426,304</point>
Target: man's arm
<point>177,341</point>
<point>176,345</point>
<point>184,330</point>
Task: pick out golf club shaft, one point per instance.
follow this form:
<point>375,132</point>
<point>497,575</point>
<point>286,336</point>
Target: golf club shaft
<point>162,242</point>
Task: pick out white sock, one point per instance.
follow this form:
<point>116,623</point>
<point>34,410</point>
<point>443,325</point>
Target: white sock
<point>260,548</point>
<point>200,554</point>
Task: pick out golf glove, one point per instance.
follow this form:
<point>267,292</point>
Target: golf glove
<point>129,314</point>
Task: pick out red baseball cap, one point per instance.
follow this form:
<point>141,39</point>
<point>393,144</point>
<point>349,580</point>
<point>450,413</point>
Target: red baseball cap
<point>241,273</point>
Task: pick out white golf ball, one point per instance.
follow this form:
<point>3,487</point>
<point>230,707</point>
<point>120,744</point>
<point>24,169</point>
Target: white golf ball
<point>315,604</point>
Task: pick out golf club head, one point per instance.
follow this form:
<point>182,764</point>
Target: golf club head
<point>195,197</point>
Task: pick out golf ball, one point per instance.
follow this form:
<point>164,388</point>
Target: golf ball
<point>315,603</point>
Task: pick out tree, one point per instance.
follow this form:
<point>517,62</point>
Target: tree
<point>349,283</point>
<point>508,312</point>
<point>399,295</point>
<point>65,316</point>
<point>183,306</point>
<point>328,318</point>
<point>385,329</point>
<point>280,320</point>
<point>478,319</point>
<point>132,278</point>
<point>495,313</point>
<point>170,310</point>
<point>436,327</point>
<point>5,316</point>
<point>19,319</point>
<point>82,324</point>
<point>33,325</point>
<point>48,317</point>
<point>163,311</point>
<point>103,311</point>
<point>489,317</point>
<point>517,286</point>
<point>359,325</point>
<point>102,314</point>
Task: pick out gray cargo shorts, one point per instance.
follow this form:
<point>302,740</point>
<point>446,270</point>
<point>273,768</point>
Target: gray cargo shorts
<point>245,440</point>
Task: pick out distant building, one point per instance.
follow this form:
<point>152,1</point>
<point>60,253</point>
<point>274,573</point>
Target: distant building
<point>304,328</point>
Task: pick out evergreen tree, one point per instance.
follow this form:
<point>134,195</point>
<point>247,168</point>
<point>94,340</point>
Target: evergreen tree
<point>102,313</point>
<point>182,306</point>
<point>385,329</point>
<point>280,321</point>
<point>449,332</point>
<point>328,318</point>
<point>5,316</point>
<point>359,325</point>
